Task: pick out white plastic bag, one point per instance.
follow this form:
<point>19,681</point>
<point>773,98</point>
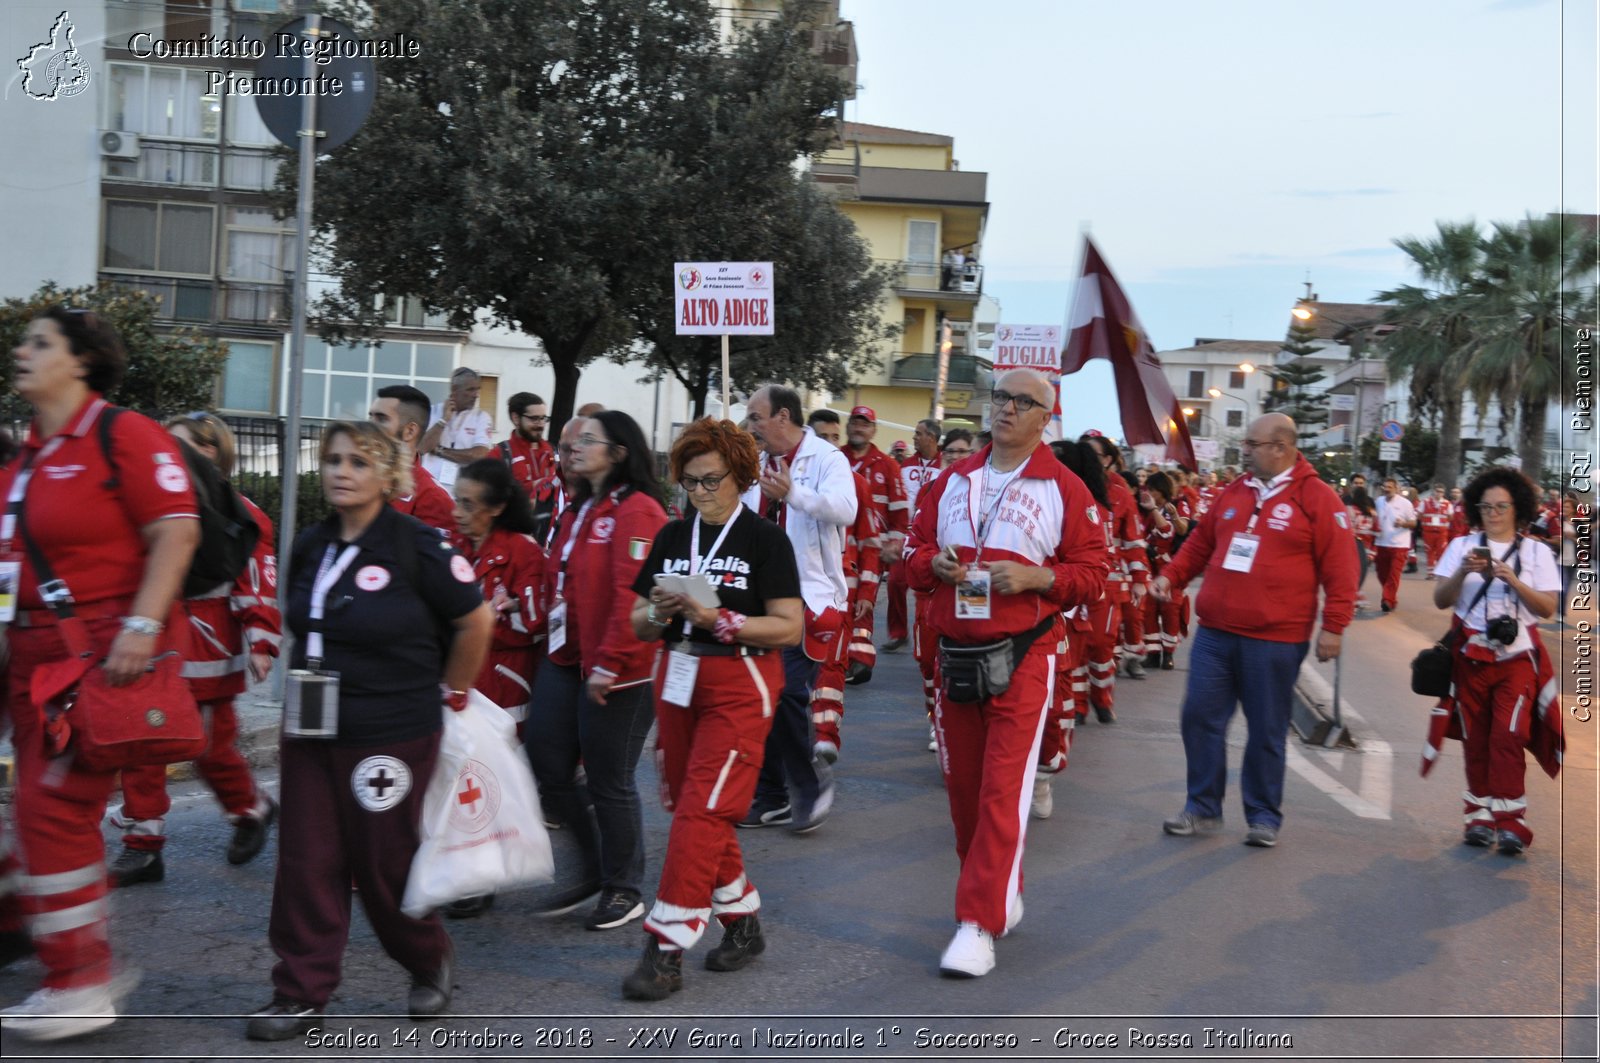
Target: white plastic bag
<point>482,829</point>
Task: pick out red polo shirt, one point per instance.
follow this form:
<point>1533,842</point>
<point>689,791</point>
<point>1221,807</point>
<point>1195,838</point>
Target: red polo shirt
<point>428,502</point>
<point>89,533</point>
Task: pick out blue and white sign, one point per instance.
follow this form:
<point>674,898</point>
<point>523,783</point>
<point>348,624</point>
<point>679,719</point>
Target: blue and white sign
<point>1392,431</point>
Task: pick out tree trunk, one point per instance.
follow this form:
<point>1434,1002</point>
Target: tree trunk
<point>1530,436</point>
<point>700,389</point>
<point>564,363</point>
<point>1447,464</point>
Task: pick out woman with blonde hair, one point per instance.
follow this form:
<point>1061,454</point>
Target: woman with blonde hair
<point>382,610</point>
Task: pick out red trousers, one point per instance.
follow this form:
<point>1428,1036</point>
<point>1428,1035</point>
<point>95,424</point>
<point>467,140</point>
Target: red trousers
<point>10,879</point>
<point>708,757</point>
<point>329,836</point>
<point>1070,703</point>
<point>862,649</point>
<point>898,588</point>
<point>1163,623</point>
<point>1435,540</point>
<point>1496,704</point>
<point>925,648</point>
<point>988,751</point>
<point>1133,626</point>
<point>1104,616</point>
<point>62,897</point>
<point>222,766</point>
<point>827,695</point>
<point>1390,562</point>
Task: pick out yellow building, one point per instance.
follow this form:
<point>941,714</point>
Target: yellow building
<point>924,217</point>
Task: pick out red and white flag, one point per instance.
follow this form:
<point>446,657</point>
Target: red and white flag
<point>1103,325</point>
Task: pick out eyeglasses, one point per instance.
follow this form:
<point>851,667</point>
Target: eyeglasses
<point>1256,444</point>
<point>1493,507</point>
<point>590,441</point>
<point>1022,402</point>
<point>958,452</point>
<point>692,484</point>
<point>535,418</point>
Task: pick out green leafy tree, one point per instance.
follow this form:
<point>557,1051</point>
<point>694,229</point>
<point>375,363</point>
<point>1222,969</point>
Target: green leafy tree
<point>546,161</point>
<point>1535,289</point>
<point>169,372</point>
<point>1436,331</point>
<point>1295,393</point>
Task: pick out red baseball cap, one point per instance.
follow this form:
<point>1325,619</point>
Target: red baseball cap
<point>864,412</point>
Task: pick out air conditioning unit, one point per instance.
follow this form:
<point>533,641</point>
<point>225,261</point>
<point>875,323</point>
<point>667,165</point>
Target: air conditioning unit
<point>118,145</point>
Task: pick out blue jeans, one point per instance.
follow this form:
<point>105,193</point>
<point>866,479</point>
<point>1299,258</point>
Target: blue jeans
<point>564,727</point>
<point>1227,670</point>
<point>790,770</point>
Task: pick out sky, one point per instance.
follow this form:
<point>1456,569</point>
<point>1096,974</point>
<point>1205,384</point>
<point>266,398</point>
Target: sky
<point>1222,153</point>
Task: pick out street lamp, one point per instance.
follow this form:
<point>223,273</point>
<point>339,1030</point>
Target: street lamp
<point>1305,309</point>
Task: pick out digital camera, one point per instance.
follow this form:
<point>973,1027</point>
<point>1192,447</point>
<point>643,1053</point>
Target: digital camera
<point>1503,629</point>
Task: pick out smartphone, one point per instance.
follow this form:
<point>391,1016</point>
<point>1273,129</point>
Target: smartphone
<point>1481,552</point>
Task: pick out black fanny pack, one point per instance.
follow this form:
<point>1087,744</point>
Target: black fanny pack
<point>975,673</point>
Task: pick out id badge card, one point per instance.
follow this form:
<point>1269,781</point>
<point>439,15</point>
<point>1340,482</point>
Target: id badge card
<point>972,595</point>
<point>10,577</point>
<point>556,624</point>
<point>311,704</point>
<point>678,687</point>
<point>1241,553</point>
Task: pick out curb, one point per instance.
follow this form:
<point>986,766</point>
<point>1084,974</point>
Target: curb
<point>1312,714</point>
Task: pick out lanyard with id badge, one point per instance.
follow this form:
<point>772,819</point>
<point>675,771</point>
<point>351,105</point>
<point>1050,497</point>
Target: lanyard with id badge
<point>1243,546</point>
<point>311,694</point>
<point>10,560</point>
<point>973,593</point>
<point>556,622</point>
<point>684,668</point>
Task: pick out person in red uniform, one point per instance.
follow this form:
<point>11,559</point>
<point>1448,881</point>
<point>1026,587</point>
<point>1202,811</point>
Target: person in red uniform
<point>1128,585</point>
<point>1435,512</point>
<point>591,699</point>
<point>862,568</point>
<point>1166,521</point>
<point>957,447</point>
<point>888,487</point>
<point>1274,543</point>
<point>1004,542</point>
<point>919,469</point>
<point>122,554</point>
<point>1458,514</point>
<point>1504,691</point>
<point>403,411</point>
<point>233,634</point>
<point>493,526</point>
<point>716,688</point>
<point>527,452</point>
<point>1363,516</point>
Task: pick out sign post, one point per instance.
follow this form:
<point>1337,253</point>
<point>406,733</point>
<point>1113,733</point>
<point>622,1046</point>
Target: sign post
<point>1389,448</point>
<point>723,299</point>
<point>1036,347</point>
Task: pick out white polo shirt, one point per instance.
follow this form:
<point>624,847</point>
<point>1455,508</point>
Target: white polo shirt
<point>465,429</point>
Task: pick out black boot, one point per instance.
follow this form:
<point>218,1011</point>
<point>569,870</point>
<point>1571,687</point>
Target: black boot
<point>1166,660</point>
<point>659,974</point>
<point>1152,659</point>
<point>135,866</point>
<point>250,834</point>
<point>741,943</point>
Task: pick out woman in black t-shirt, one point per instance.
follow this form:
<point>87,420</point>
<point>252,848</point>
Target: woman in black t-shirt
<point>716,684</point>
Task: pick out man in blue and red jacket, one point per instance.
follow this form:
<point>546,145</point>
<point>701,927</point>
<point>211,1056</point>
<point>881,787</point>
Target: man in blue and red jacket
<point>1266,546</point>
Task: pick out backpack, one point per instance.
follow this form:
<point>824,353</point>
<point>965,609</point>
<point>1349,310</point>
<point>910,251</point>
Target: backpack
<point>228,533</point>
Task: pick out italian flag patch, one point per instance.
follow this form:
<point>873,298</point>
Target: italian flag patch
<point>638,549</point>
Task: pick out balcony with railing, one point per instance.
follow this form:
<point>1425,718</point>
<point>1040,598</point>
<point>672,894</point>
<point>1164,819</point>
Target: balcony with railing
<point>965,283</point>
<point>921,370</point>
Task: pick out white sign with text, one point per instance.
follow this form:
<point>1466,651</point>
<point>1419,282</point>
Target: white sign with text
<point>723,298</point>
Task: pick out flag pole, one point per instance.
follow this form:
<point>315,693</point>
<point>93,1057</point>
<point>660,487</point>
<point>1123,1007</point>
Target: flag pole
<point>727,411</point>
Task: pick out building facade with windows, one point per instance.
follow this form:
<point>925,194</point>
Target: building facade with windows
<point>924,217</point>
<point>1218,422</point>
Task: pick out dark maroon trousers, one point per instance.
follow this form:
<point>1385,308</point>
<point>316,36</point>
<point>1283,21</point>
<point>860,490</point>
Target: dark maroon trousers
<point>327,838</point>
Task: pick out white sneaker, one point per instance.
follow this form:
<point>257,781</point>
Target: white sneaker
<point>970,953</point>
<point>56,1014</point>
<point>826,750</point>
<point>1044,801</point>
<point>933,740</point>
<point>1013,915</point>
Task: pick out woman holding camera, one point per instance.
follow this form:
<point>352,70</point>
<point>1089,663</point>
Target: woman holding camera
<point>1500,663</point>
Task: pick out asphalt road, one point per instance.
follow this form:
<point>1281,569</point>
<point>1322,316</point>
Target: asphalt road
<point>1368,933</point>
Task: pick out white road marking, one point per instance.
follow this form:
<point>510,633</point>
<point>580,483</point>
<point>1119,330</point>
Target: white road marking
<point>1376,799</point>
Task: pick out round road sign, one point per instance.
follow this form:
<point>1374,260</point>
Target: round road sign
<point>1392,431</point>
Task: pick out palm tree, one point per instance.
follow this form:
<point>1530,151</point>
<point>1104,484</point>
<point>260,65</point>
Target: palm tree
<point>1435,330</point>
<point>1532,299</point>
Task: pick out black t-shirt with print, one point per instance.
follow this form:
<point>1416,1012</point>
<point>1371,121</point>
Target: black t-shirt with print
<point>754,565</point>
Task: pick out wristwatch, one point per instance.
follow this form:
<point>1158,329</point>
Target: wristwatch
<point>142,625</point>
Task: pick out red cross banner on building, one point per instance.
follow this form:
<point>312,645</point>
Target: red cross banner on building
<point>1103,325</point>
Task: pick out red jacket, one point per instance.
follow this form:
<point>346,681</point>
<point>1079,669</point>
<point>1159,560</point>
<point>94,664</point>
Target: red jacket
<point>1129,533</point>
<point>236,621</point>
<point>1046,517</point>
<point>529,462</point>
<point>863,544</point>
<point>1305,544</point>
<point>1435,514</point>
<point>597,577</point>
<point>888,487</point>
<point>428,502</point>
<point>511,566</point>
